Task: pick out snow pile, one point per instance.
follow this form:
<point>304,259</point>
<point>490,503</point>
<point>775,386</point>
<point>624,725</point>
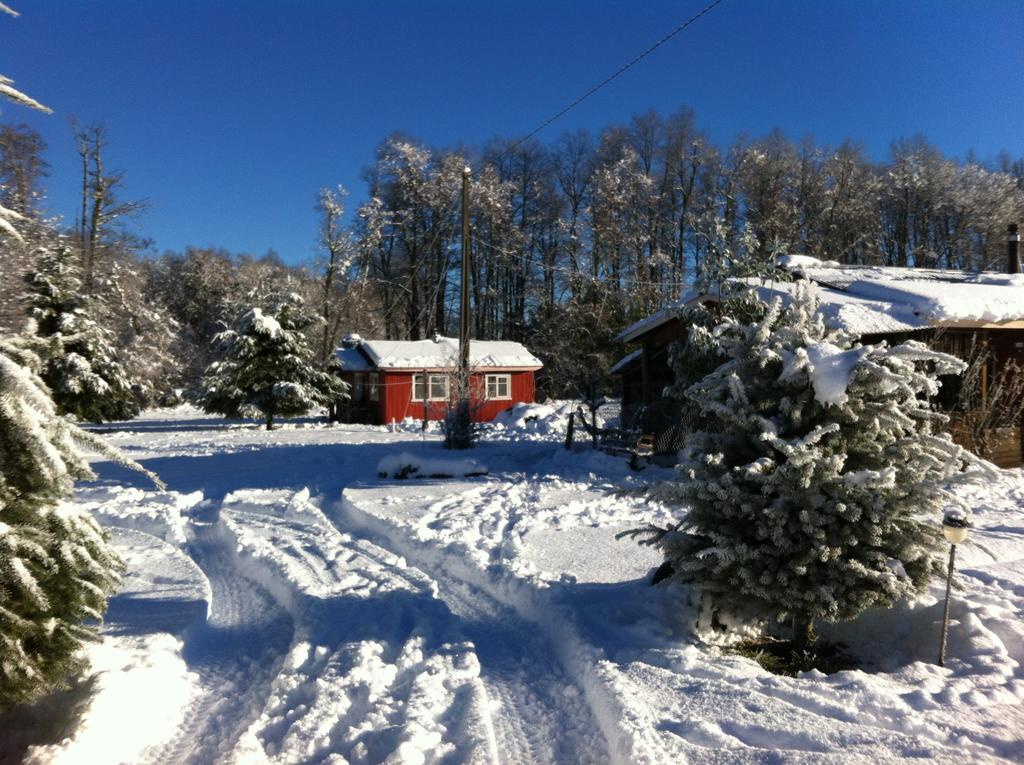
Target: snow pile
<point>161,514</point>
<point>522,415</point>
<point>539,421</point>
<point>410,465</point>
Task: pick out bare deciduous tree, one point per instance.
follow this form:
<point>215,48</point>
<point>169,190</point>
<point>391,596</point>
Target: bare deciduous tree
<point>335,241</point>
<point>101,208</point>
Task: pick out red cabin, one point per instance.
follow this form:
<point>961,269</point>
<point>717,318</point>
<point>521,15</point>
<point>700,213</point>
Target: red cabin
<point>390,380</point>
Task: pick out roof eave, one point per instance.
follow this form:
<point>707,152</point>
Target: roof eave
<point>472,369</point>
<point>645,326</point>
<point>977,324</point>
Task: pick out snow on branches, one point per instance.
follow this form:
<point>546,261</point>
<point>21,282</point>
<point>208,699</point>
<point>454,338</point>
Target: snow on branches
<point>80,357</point>
<point>56,569</point>
<point>266,366</point>
<point>816,485</point>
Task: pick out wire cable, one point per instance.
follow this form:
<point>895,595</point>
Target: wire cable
<point>621,70</point>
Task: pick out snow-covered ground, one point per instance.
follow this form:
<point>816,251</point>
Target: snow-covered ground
<point>285,604</point>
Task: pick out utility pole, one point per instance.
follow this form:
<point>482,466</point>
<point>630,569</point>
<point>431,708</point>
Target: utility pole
<point>459,430</point>
<point>464,303</point>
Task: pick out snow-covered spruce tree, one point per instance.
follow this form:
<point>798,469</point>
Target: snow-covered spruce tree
<point>702,351</point>
<point>267,367</point>
<point>80,362</point>
<point>56,569</point>
<point>815,490</point>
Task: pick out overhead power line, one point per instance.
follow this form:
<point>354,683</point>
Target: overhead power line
<point>615,74</point>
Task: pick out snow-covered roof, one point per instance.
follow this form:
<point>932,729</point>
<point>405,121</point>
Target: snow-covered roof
<point>933,296</point>
<point>625,361</point>
<point>353,360</point>
<point>866,300</point>
<point>442,352</point>
<point>667,313</point>
<point>854,314</point>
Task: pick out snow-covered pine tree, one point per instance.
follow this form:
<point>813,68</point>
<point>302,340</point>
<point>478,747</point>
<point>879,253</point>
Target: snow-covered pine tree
<point>56,569</point>
<point>816,489</point>
<point>702,351</point>
<point>731,280</point>
<point>149,339</point>
<point>267,367</point>
<point>80,362</point>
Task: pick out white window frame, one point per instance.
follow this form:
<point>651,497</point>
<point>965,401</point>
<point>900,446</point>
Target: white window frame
<point>496,380</point>
<point>437,381</point>
<point>373,386</point>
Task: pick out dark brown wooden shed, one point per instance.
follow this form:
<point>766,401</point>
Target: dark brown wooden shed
<point>953,311</point>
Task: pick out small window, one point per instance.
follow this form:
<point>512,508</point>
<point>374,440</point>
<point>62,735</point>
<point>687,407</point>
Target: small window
<point>357,386</point>
<point>499,387</point>
<point>373,385</point>
<point>438,388</point>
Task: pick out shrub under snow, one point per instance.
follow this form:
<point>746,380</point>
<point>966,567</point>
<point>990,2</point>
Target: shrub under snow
<point>409,465</point>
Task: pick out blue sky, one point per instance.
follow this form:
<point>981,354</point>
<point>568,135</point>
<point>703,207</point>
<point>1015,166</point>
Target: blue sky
<point>228,116</point>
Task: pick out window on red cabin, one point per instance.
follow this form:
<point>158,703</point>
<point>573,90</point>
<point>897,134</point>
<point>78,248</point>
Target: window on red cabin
<point>499,387</point>
<point>438,388</point>
<point>357,386</point>
<point>374,386</point>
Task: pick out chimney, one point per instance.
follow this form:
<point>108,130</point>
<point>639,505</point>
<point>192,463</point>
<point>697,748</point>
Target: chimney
<point>1012,249</point>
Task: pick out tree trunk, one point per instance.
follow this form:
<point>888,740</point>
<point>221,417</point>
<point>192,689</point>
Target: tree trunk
<point>270,420</point>
<point>803,631</point>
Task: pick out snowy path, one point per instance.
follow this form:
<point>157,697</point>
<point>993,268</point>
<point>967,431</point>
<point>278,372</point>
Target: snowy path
<point>379,667</point>
<point>235,653</point>
<point>285,605</point>
<point>539,711</point>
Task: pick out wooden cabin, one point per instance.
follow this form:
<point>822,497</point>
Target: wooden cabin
<point>952,311</point>
<point>390,380</point>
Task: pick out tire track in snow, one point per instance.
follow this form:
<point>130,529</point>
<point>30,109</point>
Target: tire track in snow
<point>236,654</point>
<point>378,669</point>
<point>540,715</point>
<point>539,712</point>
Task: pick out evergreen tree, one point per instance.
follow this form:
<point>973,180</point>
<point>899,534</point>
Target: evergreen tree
<point>267,367</point>
<point>56,569</point>
<point>702,351</point>
<point>816,488</point>
<point>80,363</point>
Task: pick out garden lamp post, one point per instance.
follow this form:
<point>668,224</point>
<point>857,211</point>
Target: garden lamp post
<point>954,526</point>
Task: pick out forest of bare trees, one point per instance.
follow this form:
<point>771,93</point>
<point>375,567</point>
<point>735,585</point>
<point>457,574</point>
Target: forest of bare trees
<point>571,240</point>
